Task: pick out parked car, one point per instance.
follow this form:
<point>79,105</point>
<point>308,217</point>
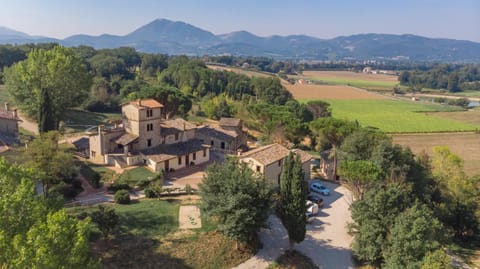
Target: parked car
<point>315,199</point>
<point>312,207</point>
<point>319,188</point>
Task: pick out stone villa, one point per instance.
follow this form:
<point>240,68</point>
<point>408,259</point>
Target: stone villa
<point>268,161</point>
<point>145,137</point>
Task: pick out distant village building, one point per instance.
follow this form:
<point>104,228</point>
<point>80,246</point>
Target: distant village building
<point>145,137</point>
<point>9,121</point>
<point>268,161</point>
<point>367,70</point>
<point>326,165</point>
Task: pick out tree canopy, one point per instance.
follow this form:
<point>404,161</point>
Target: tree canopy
<point>33,234</point>
<point>237,197</point>
<point>59,71</point>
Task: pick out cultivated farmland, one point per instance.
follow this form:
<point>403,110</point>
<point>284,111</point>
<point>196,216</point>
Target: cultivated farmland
<point>360,80</point>
<point>396,116</point>
<point>313,91</point>
<point>466,145</point>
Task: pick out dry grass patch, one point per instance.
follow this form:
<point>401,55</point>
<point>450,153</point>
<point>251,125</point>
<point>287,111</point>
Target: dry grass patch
<point>466,145</point>
<point>210,250</point>
<point>470,116</point>
<point>340,92</point>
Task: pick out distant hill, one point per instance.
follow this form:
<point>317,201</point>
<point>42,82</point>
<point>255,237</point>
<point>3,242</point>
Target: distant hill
<point>169,37</point>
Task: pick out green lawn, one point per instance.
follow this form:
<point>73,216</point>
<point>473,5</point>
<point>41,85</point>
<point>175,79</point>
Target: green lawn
<point>77,120</point>
<point>395,116</point>
<point>365,84</point>
<point>149,238</point>
<point>135,175</point>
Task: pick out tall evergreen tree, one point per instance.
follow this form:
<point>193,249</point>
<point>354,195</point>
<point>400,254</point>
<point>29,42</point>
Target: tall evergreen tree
<point>292,206</point>
<point>45,117</point>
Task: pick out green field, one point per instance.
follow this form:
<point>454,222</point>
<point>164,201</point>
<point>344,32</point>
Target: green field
<point>364,84</point>
<point>395,116</point>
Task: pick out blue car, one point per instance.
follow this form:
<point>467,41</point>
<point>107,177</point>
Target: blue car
<point>319,188</point>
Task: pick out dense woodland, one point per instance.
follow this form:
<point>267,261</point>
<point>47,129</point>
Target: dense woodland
<point>453,78</point>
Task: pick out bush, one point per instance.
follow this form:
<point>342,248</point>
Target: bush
<point>188,189</point>
<point>122,197</point>
<point>143,183</point>
<point>118,186</point>
<point>77,183</point>
<point>151,192</point>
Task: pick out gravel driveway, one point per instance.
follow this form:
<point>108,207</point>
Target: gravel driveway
<point>327,242</point>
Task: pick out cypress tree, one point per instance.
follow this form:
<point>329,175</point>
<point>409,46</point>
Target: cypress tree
<point>292,206</point>
<point>45,118</point>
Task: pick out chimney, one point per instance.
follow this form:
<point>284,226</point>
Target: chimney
<point>15,114</point>
<point>139,102</point>
<point>7,107</point>
<point>100,127</point>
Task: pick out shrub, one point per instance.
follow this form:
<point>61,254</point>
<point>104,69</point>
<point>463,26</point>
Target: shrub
<point>122,197</point>
<point>118,186</point>
<point>188,189</point>
<point>143,183</point>
<point>77,183</point>
<point>151,192</point>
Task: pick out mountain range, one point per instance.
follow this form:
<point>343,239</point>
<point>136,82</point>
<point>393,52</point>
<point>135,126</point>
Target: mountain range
<point>170,37</point>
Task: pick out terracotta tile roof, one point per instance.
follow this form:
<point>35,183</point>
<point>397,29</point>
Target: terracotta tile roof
<point>126,139</point>
<point>218,133</point>
<point>231,122</point>
<point>267,154</point>
<point>167,152</point>
<point>9,115</point>
<point>175,126</point>
<point>145,103</point>
<point>304,156</point>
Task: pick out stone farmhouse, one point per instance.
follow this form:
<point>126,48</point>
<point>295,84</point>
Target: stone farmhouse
<point>9,122</point>
<point>268,161</point>
<point>229,137</point>
<point>146,137</point>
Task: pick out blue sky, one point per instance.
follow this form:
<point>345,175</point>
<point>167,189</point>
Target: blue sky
<point>459,19</point>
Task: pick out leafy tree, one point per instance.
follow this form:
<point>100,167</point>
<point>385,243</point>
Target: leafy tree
<point>237,197</point>
<point>373,216</point>
<point>334,131</point>
<point>416,233</point>
<point>33,234</point>
<point>292,205</point>
<point>175,101</point>
<point>106,219</point>
<point>50,161</point>
<point>58,71</point>
<point>437,259</point>
<point>452,85</point>
<point>360,175</point>
<point>319,109</point>
<point>459,203</point>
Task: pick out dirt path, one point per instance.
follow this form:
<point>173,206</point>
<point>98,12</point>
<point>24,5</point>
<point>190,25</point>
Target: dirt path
<point>189,217</point>
<point>28,125</point>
